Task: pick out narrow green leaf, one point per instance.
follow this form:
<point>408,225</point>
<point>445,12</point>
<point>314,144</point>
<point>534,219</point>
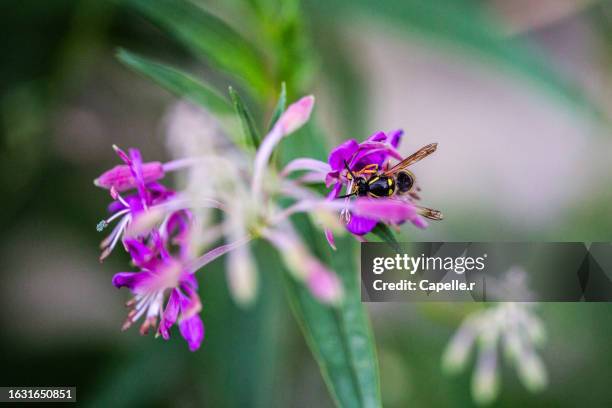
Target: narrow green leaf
<point>280,106</point>
<point>385,234</point>
<point>177,82</point>
<point>356,325</point>
<point>469,26</point>
<point>323,334</point>
<point>209,37</point>
<point>252,136</point>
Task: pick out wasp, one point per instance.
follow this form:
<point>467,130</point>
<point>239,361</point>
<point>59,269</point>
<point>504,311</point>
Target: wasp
<point>397,181</point>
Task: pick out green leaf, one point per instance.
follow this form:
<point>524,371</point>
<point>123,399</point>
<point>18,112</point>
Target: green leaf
<point>177,82</point>
<point>252,136</point>
<point>209,37</point>
<point>340,337</point>
<point>385,234</point>
<point>356,324</point>
<point>280,106</point>
<point>472,29</point>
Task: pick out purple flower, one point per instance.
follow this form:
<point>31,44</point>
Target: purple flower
<point>375,150</point>
<point>133,211</point>
<point>162,276</point>
<point>370,157</point>
<point>366,158</point>
<point>132,174</point>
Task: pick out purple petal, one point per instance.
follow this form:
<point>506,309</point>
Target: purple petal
<point>115,206</point>
<point>331,178</point>
<point>170,314</point>
<point>396,138</point>
<point>334,191</point>
<point>192,330</point>
<point>136,168</point>
<point>190,280</point>
<point>122,155</point>
<point>377,137</point>
<point>190,304</point>
<point>134,281</point>
<point>139,252</point>
<point>329,235</point>
<point>158,192</point>
<point>373,152</point>
<point>344,152</point>
<point>360,225</point>
<point>178,224</point>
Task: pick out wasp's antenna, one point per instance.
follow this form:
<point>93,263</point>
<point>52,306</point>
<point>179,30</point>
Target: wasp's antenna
<point>347,195</point>
<point>349,170</point>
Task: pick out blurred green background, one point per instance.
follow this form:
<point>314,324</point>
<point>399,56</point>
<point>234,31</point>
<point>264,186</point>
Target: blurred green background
<point>517,93</point>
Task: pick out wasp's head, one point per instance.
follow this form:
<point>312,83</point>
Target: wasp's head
<point>362,186</point>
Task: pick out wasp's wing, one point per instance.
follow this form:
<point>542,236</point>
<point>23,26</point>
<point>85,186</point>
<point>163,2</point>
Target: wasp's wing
<point>413,158</point>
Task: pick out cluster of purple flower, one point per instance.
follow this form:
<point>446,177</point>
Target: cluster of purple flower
<point>159,253</point>
<point>154,223</point>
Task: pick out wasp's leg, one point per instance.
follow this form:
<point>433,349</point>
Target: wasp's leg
<point>369,169</point>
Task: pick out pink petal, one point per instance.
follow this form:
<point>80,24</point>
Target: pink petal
<point>294,117</point>
<point>387,210</point>
<point>306,164</point>
<point>323,284</point>
<point>419,222</point>
<point>121,177</point>
<point>296,114</point>
<point>329,235</point>
<point>217,252</point>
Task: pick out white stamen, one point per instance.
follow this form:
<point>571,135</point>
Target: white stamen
<point>118,232</point>
<point>116,215</point>
<point>122,200</point>
<point>155,305</point>
<point>217,252</point>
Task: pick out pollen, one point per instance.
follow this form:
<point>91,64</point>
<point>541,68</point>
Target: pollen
<point>101,225</point>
